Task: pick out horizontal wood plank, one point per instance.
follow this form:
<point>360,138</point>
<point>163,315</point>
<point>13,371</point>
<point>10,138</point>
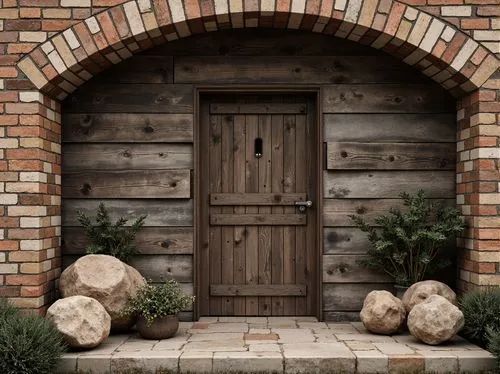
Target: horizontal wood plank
<point>386,98</point>
<point>162,267</point>
<point>349,297</point>
<point>149,240</point>
<point>157,268</point>
<point>127,127</point>
<point>258,108</point>
<point>390,156</point>
<point>258,290</point>
<point>79,157</point>
<point>256,198</point>
<point>95,97</point>
<point>141,69</point>
<point>387,184</point>
<point>308,70</point>
<point>160,212</point>
<point>390,128</point>
<point>261,42</point>
<point>336,211</point>
<point>257,219</point>
<point>344,240</point>
<point>346,269</point>
<point>126,184</point>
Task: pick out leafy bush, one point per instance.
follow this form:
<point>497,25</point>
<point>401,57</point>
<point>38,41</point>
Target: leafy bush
<point>407,243</point>
<point>481,309</point>
<point>156,301</point>
<point>111,239</point>
<point>29,344</point>
<point>493,346</point>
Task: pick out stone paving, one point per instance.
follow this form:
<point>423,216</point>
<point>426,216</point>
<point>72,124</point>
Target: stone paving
<point>277,345</point>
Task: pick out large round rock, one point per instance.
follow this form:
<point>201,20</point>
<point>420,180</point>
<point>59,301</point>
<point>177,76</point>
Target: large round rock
<point>435,320</point>
<point>382,312</point>
<point>106,279</point>
<point>82,321</point>
<point>420,291</point>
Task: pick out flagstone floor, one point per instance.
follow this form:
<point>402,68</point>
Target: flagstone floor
<point>276,345</point>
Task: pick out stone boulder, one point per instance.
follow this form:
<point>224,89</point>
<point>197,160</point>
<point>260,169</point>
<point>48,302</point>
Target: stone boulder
<point>382,312</point>
<point>82,321</point>
<point>435,320</point>
<point>106,279</point>
<point>420,291</point>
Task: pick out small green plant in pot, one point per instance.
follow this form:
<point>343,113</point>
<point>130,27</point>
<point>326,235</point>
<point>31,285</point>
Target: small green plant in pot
<point>405,243</point>
<point>108,238</point>
<point>158,308</point>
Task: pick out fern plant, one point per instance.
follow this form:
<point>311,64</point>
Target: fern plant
<point>108,238</point>
<point>407,242</point>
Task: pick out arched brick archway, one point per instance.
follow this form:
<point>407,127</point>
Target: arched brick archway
<point>440,51</point>
<point>460,64</point>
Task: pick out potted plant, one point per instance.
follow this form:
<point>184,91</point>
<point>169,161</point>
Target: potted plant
<point>157,308</point>
<point>107,238</point>
<point>406,243</point>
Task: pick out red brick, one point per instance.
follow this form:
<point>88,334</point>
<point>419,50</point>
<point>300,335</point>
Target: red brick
<point>22,25</point>
<point>8,72</point>
<point>8,222</point>
<point>9,245</point>
<point>30,12</point>
<point>26,280</point>
<point>56,25</point>
<point>21,47</point>
<point>9,291</point>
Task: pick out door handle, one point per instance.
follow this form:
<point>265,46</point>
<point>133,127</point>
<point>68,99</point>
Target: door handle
<point>303,205</point>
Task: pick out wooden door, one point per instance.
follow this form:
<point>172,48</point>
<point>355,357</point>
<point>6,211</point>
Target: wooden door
<point>258,254</point>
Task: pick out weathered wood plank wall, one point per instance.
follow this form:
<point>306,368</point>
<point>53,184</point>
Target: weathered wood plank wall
<point>128,141</point>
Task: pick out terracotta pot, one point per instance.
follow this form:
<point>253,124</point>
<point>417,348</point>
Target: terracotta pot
<point>161,328</point>
<point>399,291</point>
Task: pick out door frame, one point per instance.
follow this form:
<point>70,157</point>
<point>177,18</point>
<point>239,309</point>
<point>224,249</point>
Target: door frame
<point>316,92</point>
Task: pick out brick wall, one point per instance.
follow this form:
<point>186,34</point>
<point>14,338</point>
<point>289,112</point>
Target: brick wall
<point>30,114</point>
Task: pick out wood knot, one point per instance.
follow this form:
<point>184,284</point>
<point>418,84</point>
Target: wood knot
<point>126,153</point>
<point>277,198</point>
<point>165,244</point>
<point>361,210</point>
<point>148,129</point>
<point>173,184</point>
<point>86,121</point>
<point>391,158</point>
<point>343,154</point>
<point>85,189</point>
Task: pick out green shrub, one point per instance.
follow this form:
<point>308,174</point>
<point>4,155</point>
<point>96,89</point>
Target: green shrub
<point>493,346</point>
<point>481,311</point>
<point>406,243</point>
<point>109,238</point>
<point>156,301</point>
<point>29,344</point>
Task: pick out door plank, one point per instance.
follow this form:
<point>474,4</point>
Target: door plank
<point>96,97</point>
<point>289,237</point>
<point>149,241</point>
<point>277,232</point>
<point>275,198</point>
<point>258,108</point>
<point>252,232</point>
<point>389,128</point>
<point>126,156</point>
<point>387,184</point>
<point>346,269</point>
<point>127,127</point>
<point>168,212</point>
<point>386,98</point>
<point>261,219</point>
<point>301,178</point>
<point>265,185</point>
<point>239,146</point>
<point>215,232</point>
<point>203,259</point>
<point>258,290</point>
<point>127,184</point>
<point>391,156</point>
<point>227,167</point>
